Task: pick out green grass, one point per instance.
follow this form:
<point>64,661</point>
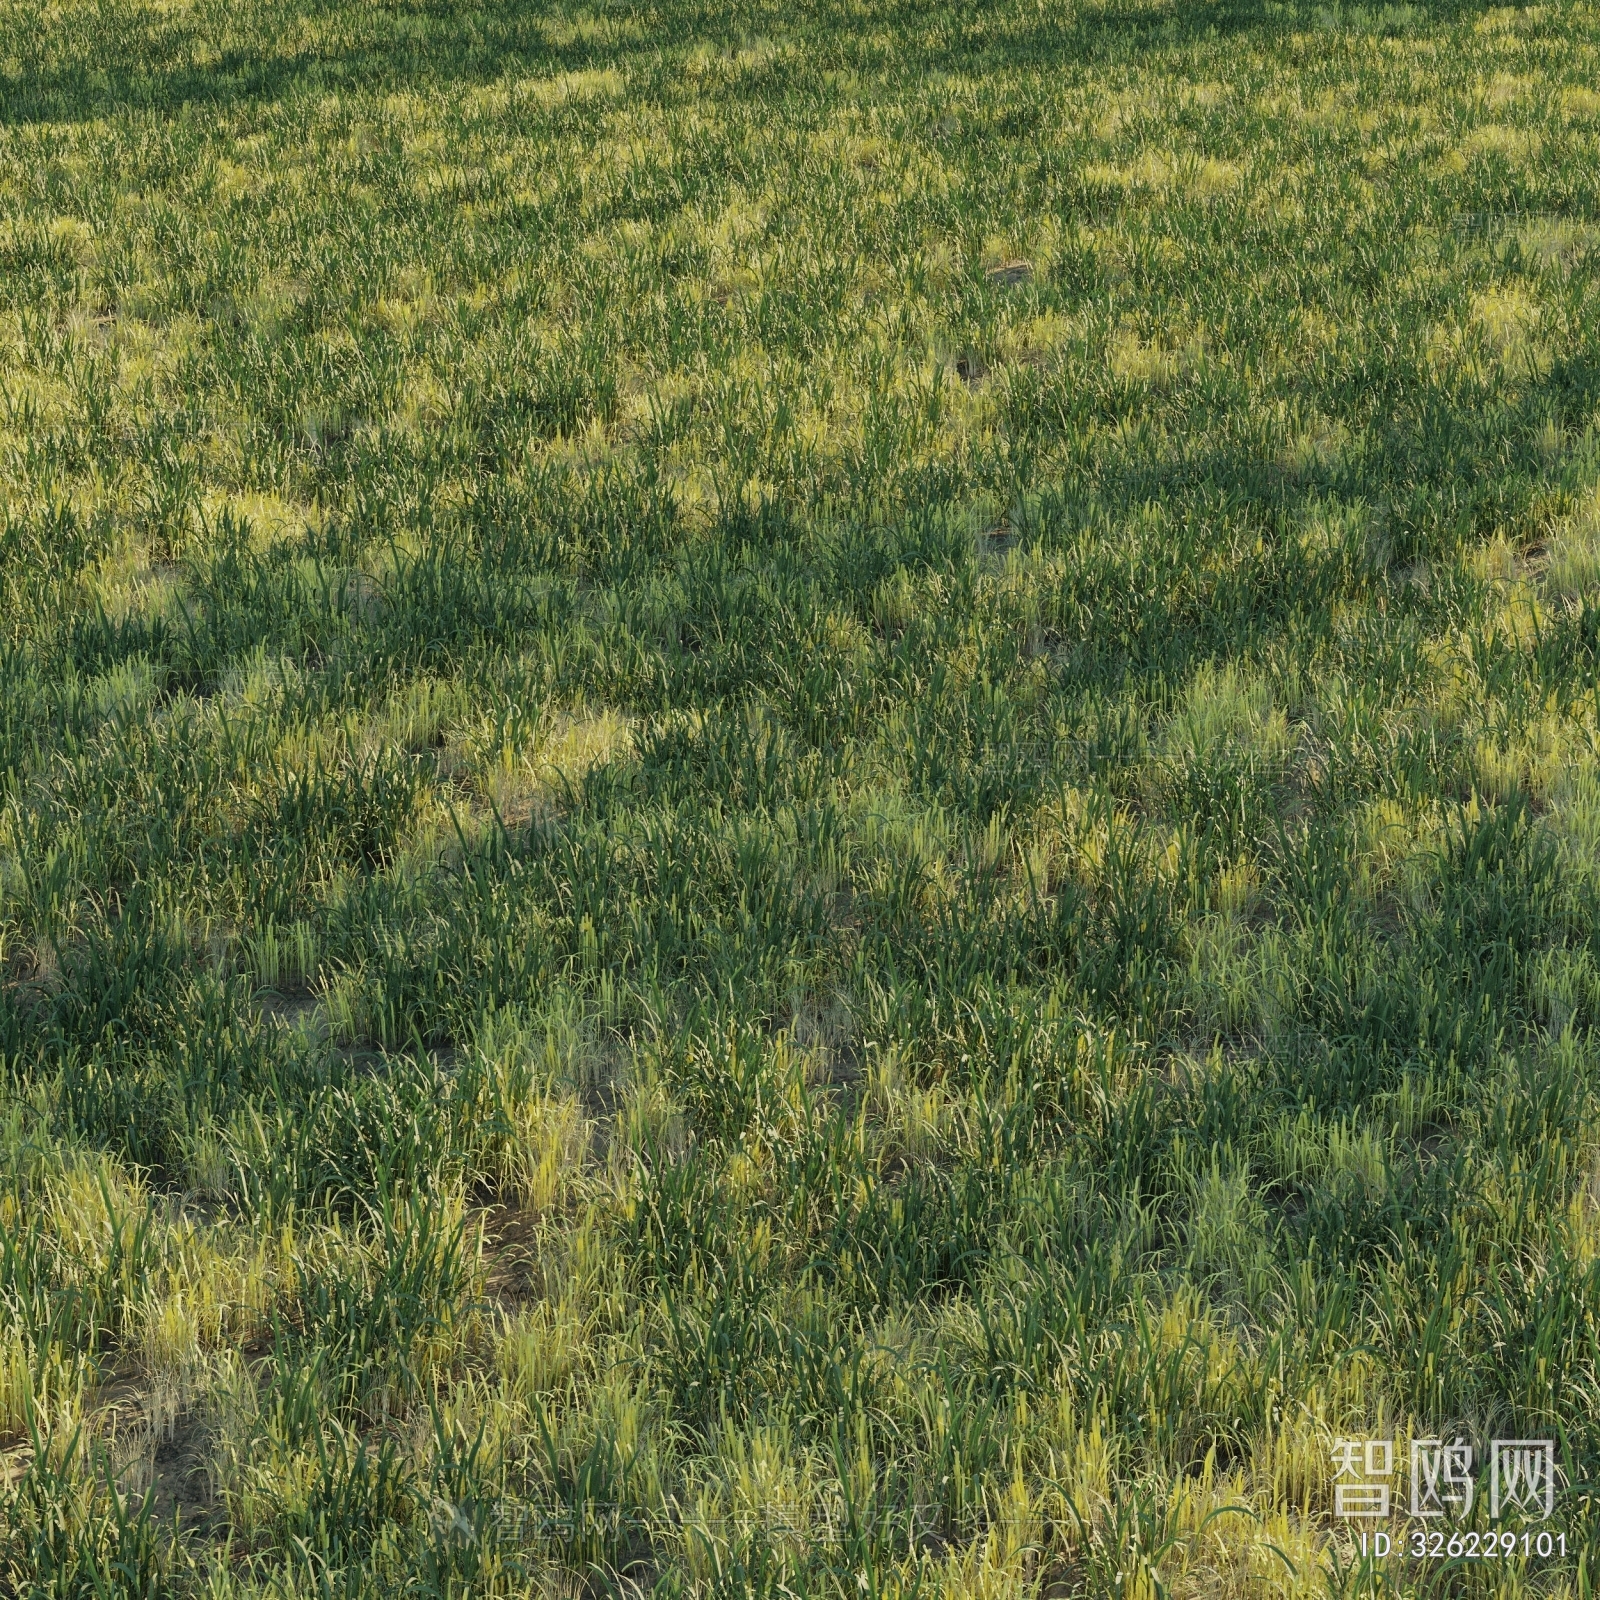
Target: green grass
<point>793,800</point>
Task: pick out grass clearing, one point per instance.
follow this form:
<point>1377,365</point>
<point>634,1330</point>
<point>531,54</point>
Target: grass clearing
<point>792,800</point>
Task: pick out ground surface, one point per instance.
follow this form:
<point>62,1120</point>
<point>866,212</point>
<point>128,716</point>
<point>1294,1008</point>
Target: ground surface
<point>795,799</point>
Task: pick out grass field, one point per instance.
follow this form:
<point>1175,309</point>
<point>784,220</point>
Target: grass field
<point>793,799</point>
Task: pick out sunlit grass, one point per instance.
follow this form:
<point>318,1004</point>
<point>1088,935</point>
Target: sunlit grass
<point>794,801</point>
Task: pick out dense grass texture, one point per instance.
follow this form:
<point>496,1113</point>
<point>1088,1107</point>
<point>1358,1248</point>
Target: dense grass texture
<point>794,799</point>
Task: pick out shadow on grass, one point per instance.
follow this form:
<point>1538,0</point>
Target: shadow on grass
<point>88,60</point>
